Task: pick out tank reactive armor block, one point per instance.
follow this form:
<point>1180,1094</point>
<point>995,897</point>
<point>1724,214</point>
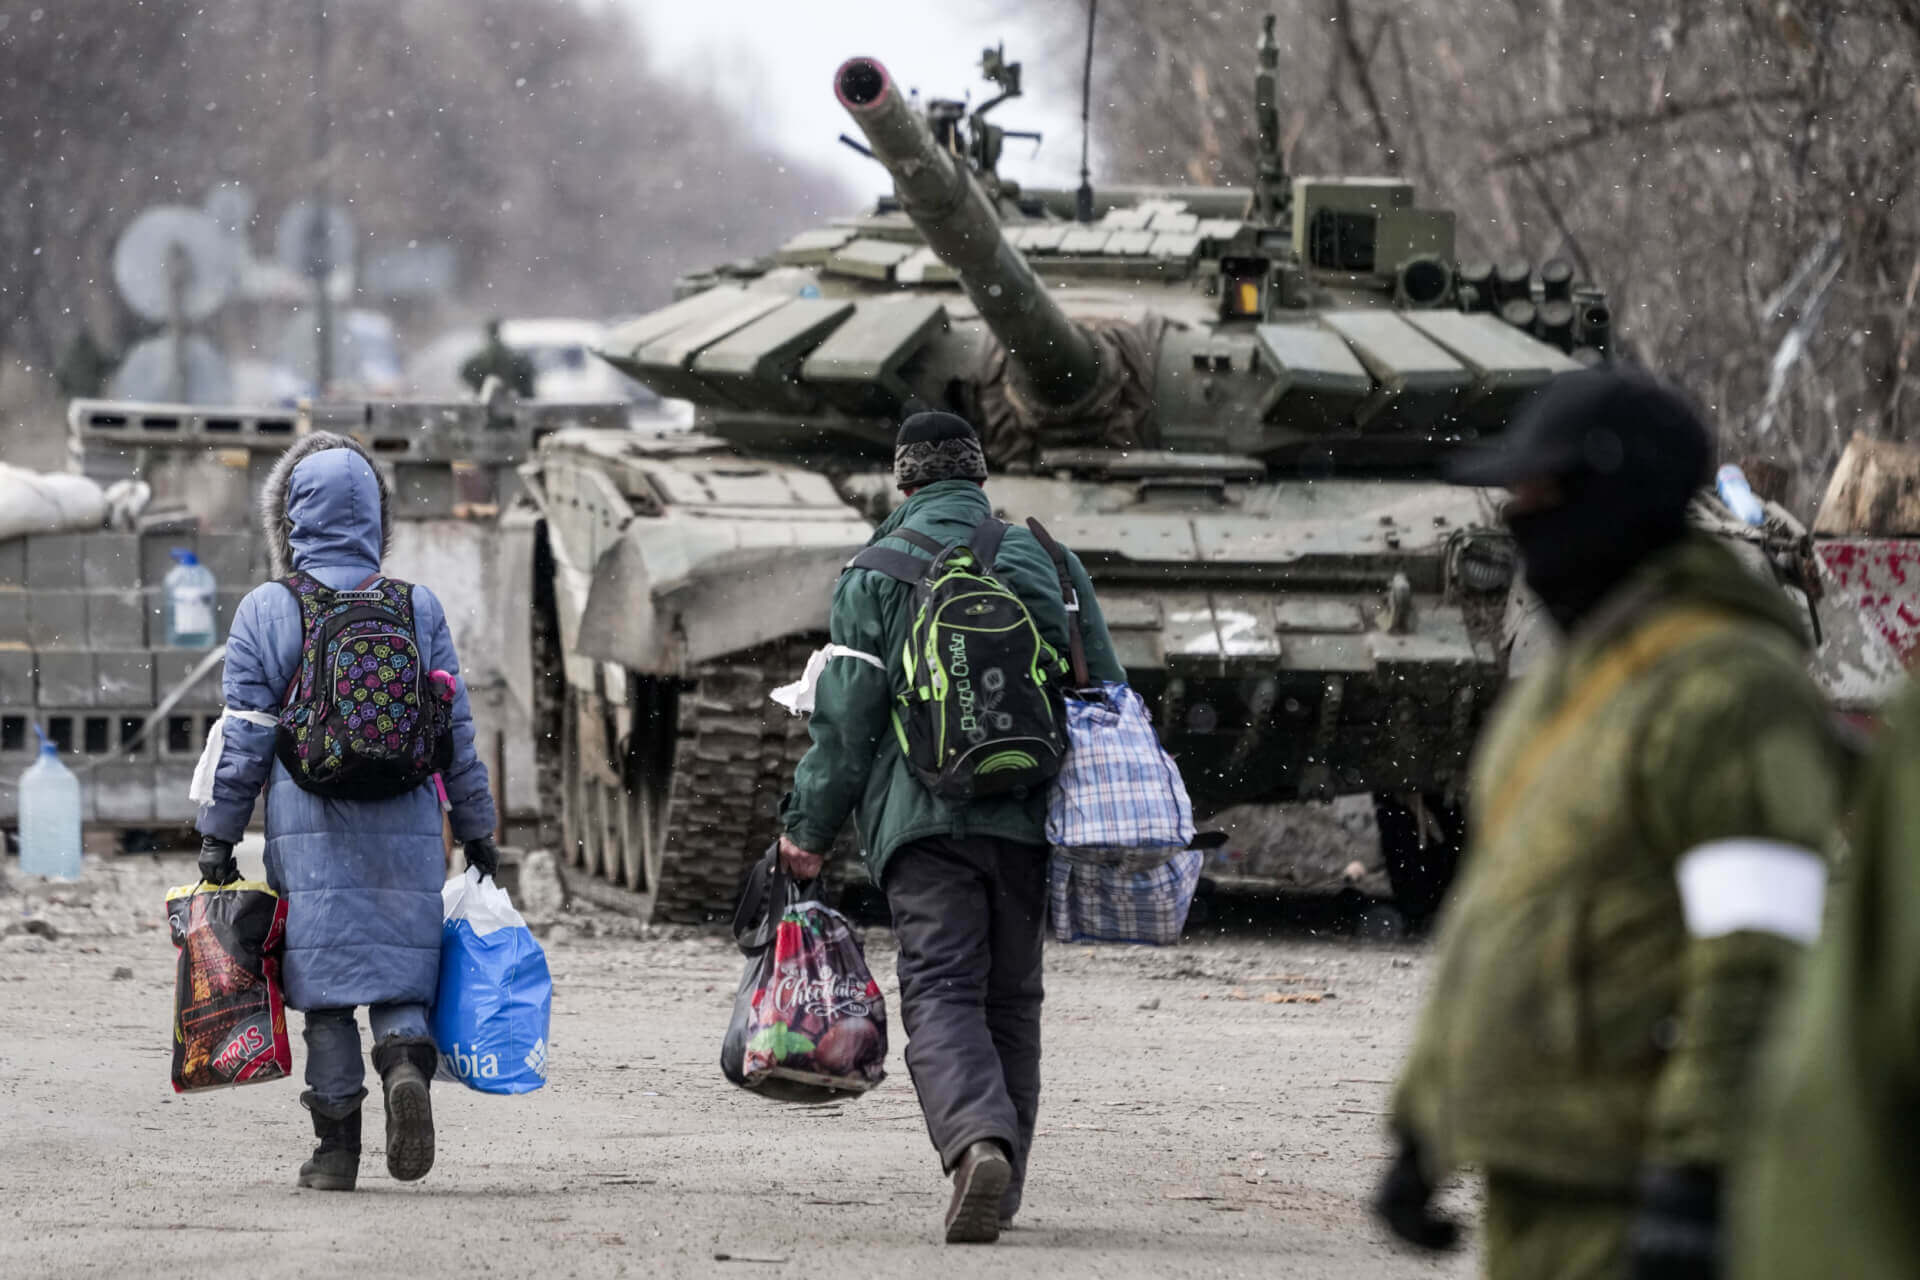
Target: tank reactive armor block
<point>1233,404</point>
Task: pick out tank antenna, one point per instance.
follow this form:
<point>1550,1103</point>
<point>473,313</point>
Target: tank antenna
<point>1270,181</point>
<point>1083,198</point>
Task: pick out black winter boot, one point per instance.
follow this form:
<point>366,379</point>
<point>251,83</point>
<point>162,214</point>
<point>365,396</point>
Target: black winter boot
<point>406,1065</point>
<point>335,1165</point>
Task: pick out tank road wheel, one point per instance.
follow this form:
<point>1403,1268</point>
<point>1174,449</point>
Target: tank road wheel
<point>1420,841</point>
<point>677,809</point>
<point>615,790</point>
<point>647,760</point>
<point>733,760</point>
<point>549,697</point>
<point>585,812</point>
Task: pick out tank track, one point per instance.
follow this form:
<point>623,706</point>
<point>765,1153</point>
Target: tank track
<point>733,760</point>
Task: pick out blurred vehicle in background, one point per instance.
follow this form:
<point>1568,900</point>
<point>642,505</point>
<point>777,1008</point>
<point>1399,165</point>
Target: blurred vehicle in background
<point>565,368</point>
<point>564,363</point>
<point>366,360</point>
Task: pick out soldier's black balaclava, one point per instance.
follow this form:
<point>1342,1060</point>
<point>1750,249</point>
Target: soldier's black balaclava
<point>1625,454</point>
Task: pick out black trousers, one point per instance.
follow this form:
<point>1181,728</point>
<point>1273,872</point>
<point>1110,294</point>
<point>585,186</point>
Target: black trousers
<point>970,916</point>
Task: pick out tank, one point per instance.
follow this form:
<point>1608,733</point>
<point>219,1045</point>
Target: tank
<point>1232,403</point>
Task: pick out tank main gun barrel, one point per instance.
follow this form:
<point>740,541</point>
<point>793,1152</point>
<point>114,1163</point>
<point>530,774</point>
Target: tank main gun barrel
<point>1054,359</point>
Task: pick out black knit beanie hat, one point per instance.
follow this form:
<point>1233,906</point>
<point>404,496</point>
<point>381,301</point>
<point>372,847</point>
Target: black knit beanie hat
<point>937,446</point>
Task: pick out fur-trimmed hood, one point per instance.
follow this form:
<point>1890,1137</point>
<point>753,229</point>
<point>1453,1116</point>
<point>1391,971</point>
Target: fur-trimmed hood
<point>325,503</point>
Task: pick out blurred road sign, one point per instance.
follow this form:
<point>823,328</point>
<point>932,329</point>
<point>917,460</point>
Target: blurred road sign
<point>173,248</point>
<point>411,271</point>
<point>230,204</point>
<point>152,371</point>
<point>312,241</point>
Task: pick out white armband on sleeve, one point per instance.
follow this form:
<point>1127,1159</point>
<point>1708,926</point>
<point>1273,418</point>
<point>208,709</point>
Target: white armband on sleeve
<point>797,697</point>
<point>1729,886</point>
<point>200,790</point>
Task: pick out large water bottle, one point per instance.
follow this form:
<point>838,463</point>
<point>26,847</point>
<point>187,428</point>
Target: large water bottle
<point>49,817</point>
<point>1731,481</point>
<point>188,607</point>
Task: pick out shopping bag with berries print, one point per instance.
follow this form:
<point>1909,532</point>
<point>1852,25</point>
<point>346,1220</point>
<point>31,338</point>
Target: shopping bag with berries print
<point>809,1023</point>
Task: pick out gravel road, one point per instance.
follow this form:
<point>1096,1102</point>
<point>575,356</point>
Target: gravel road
<point>1213,1110</point>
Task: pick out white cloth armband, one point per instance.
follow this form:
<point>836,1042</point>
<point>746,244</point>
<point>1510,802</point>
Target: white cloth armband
<point>1729,886</point>
<point>797,697</point>
<point>200,790</point>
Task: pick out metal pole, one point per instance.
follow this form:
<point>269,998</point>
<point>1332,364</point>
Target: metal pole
<point>177,268</point>
<point>1083,198</point>
<point>319,256</point>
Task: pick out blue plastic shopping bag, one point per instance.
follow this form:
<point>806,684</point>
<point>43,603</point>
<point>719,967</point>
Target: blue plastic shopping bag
<point>490,1018</point>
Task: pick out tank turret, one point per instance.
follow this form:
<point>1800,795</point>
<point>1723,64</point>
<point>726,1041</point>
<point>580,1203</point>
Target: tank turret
<point>1056,361</point>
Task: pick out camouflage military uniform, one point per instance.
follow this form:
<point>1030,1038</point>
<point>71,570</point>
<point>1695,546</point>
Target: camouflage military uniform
<point>1580,1027</point>
<point>1830,1186</point>
<point>496,359</point>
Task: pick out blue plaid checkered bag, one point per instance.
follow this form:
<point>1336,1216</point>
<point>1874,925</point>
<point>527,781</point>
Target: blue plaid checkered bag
<point>1118,800</point>
<point>1112,904</point>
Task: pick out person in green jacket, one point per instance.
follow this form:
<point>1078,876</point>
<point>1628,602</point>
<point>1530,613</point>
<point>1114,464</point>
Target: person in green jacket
<point>1830,1187</point>
<point>967,884</point>
<point>1641,872</point>
<point>498,360</point>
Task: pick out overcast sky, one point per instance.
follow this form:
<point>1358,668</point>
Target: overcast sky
<point>775,59</point>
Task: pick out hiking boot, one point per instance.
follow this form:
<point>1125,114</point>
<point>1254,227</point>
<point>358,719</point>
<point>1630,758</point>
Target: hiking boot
<point>406,1065</point>
<point>335,1164</point>
<point>979,1181</point>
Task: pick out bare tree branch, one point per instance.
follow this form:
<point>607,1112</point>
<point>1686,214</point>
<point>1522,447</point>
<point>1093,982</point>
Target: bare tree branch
<point>1543,192</point>
<point>1357,61</point>
<point>1607,124</point>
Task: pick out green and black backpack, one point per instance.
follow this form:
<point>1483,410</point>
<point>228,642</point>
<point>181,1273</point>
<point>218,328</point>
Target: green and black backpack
<point>981,714</point>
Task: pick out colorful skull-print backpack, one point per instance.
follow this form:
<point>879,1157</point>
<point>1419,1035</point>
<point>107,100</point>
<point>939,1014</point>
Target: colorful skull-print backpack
<point>364,719</point>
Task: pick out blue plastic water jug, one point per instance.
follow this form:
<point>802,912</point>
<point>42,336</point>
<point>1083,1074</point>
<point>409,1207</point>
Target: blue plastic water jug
<point>1731,481</point>
<point>49,817</point>
<point>190,591</point>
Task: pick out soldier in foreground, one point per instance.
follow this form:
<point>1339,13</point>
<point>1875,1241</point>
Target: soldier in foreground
<point>966,883</point>
<point>1642,872</point>
<point>498,360</point>
<point>1830,1186</point>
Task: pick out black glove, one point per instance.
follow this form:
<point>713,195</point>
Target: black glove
<point>1402,1202</point>
<point>1676,1233</point>
<point>483,856</point>
<point>216,861</point>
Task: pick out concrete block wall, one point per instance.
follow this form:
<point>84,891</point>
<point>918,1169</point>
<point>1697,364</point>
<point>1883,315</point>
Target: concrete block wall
<point>147,784</point>
<point>82,641</point>
<point>83,654</point>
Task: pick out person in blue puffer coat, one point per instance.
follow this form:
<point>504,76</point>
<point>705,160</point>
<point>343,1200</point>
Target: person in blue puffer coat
<point>361,878</point>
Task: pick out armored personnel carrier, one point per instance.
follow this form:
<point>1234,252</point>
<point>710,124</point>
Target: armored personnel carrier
<point>1232,403</point>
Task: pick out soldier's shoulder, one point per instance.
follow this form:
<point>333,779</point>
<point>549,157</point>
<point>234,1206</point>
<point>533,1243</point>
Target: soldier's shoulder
<point>1731,687</point>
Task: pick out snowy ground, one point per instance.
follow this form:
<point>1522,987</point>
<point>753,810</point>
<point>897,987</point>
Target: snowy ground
<point>1204,1116</point>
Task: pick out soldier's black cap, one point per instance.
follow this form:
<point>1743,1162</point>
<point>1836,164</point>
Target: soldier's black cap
<point>1597,422</point>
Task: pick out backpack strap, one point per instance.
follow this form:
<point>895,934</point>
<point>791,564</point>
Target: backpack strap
<point>1076,648</point>
<point>986,540</point>
<point>897,565</point>
<point>919,540</point>
<point>901,566</point>
<point>911,569</point>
